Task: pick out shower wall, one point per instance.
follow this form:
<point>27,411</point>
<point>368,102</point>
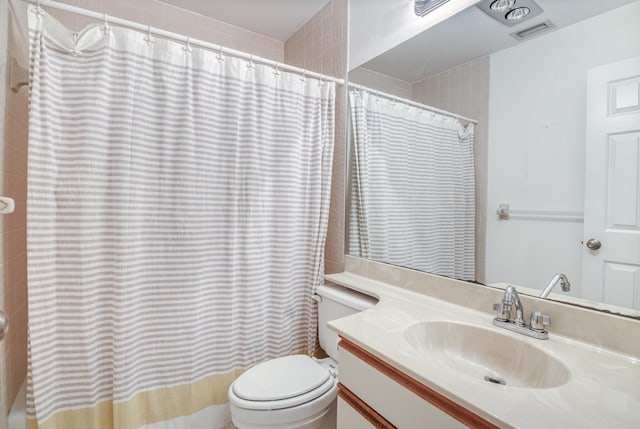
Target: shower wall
<point>380,82</point>
<point>321,46</point>
<point>13,260</point>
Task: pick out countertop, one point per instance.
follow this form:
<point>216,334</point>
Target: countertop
<point>603,391</point>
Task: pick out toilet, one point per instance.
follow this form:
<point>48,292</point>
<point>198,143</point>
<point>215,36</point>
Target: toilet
<point>297,392</point>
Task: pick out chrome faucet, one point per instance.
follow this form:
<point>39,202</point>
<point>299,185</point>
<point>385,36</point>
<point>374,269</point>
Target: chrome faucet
<point>558,278</point>
<point>538,322</point>
<point>510,298</point>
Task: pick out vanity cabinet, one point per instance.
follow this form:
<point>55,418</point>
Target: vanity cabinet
<point>373,394</point>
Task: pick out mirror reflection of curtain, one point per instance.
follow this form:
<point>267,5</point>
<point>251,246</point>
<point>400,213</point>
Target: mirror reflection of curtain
<point>413,187</point>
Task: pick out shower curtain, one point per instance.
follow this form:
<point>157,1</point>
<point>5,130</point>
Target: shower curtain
<point>412,187</point>
<point>177,213</point>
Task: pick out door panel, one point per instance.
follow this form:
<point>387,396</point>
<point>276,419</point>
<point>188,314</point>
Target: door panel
<point>611,274</point>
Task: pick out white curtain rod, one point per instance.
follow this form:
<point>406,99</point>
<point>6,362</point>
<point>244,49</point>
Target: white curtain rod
<point>180,37</point>
<point>411,103</point>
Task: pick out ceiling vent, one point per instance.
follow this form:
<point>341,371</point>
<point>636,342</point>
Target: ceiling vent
<point>533,31</point>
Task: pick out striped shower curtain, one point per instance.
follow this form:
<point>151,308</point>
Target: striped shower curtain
<point>177,213</point>
<point>412,187</point>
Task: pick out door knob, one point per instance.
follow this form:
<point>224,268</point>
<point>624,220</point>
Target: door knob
<point>4,325</point>
<point>593,244</point>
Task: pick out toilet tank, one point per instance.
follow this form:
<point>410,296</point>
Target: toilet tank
<point>336,302</point>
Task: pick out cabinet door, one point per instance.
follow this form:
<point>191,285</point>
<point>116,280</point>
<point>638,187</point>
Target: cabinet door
<point>349,418</point>
<point>401,407</point>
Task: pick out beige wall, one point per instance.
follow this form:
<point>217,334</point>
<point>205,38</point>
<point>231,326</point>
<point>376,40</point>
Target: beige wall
<point>464,89</point>
<point>321,46</point>
<point>381,82</point>
<point>13,263</point>
<point>14,240</point>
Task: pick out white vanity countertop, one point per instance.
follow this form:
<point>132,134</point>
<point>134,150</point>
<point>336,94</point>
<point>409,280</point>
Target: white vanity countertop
<point>603,391</point>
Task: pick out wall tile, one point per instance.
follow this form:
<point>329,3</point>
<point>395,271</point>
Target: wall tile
<point>13,170</point>
<point>380,82</point>
<point>321,46</point>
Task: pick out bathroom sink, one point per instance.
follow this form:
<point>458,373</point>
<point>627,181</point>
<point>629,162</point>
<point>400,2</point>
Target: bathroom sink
<point>484,354</point>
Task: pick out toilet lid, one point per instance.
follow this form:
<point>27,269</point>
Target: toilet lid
<point>281,378</point>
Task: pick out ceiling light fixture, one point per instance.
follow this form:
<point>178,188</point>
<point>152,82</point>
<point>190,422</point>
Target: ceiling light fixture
<point>510,12</point>
<point>502,5</point>
<point>423,7</point>
<point>517,14</point>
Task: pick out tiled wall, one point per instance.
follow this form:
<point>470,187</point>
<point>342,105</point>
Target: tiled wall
<point>321,46</point>
<point>171,18</point>
<point>381,82</point>
<point>14,240</point>
<point>13,262</point>
<point>465,90</point>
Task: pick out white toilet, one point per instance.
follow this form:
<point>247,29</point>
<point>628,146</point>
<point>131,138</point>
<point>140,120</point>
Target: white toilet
<point>297,392</point>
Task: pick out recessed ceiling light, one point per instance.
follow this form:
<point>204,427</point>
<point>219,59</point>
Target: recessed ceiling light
<point>502,5</point>
<point>517,14</point>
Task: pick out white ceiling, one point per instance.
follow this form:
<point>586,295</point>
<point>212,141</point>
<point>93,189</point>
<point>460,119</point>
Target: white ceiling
<point>375,26</point>
<point>472,34</point>
<point>278,19</point>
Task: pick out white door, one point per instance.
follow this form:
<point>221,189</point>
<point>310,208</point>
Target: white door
<point>611,273</point>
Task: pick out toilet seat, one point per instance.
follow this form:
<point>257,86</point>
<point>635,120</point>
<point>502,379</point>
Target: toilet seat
<point>281,383</point>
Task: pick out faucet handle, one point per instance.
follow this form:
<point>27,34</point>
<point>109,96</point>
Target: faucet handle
<point>503,312</point>
<point>539,321</point>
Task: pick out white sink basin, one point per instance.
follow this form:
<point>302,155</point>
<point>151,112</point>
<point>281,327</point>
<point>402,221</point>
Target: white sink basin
<point>485,354</point>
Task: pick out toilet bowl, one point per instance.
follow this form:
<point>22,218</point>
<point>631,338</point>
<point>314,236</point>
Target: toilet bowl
<point>297,392</point>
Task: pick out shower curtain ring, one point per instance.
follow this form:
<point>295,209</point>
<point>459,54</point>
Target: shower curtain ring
<point>75,51</point>
<point>220,57</point>
<point>187,47</point>
<point>303,77</point>
<point>107,27</point>
<point>149,38</point>
<point>276,73</point>
<point>251,65</point>
<point>39,11</point>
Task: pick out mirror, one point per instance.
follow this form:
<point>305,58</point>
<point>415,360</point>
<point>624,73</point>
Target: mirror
<point>556,149</point>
